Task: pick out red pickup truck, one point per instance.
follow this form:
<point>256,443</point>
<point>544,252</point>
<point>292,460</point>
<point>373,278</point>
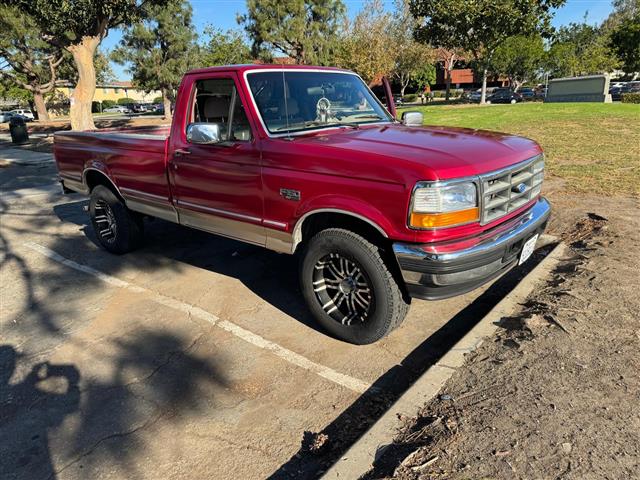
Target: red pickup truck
<point>306,160</point>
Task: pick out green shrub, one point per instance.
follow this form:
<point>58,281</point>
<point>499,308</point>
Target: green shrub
<point>108,104</point>
<point>157,100</point>
<point>410,97</point>
<point>124,101</point>
<point>631,97</point>
<point>95,107</point>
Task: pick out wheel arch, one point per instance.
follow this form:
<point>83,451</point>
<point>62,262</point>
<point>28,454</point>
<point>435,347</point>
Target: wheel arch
<point>92,177</point>
<point>316,220</point>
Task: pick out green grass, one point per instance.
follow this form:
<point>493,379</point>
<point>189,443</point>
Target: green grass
<point>594,147</point>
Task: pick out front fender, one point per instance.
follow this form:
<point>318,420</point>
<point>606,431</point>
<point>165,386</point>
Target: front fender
<point>341,204</point>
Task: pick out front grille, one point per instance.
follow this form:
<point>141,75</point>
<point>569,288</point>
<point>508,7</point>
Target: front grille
<point>509,189</point>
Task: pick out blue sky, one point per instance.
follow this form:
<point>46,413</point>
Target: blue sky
<point>222,14</point>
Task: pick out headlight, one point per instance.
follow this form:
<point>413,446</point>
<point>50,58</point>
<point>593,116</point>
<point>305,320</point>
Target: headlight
<point>435,205</point>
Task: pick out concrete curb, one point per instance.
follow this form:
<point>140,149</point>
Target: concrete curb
<point>360,457</point>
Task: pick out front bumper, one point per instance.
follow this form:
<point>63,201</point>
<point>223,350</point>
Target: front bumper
<point>433,271</point>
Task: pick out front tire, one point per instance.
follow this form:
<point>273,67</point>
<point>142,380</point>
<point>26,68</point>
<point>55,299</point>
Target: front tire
<point>119,230</point>
<point>349,288</point>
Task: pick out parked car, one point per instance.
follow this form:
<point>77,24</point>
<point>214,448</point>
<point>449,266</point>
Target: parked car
<point>137,108</point>
<point>629,87</point>
<point>117,109</point>
<point>274,156</point>
<point>398,100</point>
<point>5,116</point>
<point>474,95</point>
<point>505,96</point>
<point>527,93</point>
<point>24,113</point>
<point>616,93</point>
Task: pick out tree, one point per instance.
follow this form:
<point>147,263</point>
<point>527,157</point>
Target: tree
<point>625,43</point>
<point>160,49</point>
<point>426,75</point>
<point>580,49</point>
<point>622,9</point>
<point>448,57</point>
<point>519,58</point>
<point>480,27</point>
<point>365,45</point>
<point>410,56</point>
<point>79,26</point>
<point>26,60</point>
<point>304,30</point>
<point>224,48</point>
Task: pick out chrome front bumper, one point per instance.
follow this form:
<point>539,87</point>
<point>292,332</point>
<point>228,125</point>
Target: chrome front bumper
<point>439,270</point>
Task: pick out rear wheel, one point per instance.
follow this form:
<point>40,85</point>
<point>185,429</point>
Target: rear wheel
<point>513,100</point>
<point>349,288</point>
<point>119,230</point>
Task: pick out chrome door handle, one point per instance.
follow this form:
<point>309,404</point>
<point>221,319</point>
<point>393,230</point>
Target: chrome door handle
<point>182,151</point>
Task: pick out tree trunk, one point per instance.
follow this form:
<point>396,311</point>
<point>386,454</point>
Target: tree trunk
<point>483,96</point>
<point>41,108</point>
<point>83,54</point>
<point>166,101</point>
<point>448,83</point>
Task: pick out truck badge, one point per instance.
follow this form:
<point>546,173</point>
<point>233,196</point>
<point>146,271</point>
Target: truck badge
<point>289,194</point>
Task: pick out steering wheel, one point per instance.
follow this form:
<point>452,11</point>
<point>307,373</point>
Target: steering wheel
<point>323,108</point>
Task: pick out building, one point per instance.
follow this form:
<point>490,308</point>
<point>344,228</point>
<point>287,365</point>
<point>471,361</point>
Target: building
<point>114,91</point>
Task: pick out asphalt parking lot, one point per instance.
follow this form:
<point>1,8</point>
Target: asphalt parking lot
<point>194,357</point>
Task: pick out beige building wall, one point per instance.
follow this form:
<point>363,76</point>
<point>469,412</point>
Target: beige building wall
<point>114,92</point>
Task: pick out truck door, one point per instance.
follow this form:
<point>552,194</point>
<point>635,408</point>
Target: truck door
<point>217,187</point>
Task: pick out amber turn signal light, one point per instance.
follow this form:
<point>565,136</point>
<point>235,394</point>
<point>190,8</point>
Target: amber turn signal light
<point>448,219</point>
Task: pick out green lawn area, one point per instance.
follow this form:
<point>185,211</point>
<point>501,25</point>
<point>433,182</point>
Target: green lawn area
<point>594,147</point>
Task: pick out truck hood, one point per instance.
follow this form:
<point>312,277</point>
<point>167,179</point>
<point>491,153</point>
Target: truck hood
<point>437,153</point>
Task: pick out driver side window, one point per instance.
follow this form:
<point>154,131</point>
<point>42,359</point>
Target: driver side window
<point>217,101</point>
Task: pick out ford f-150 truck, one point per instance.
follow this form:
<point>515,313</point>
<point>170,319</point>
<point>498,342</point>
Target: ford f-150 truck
<point>306,160</point>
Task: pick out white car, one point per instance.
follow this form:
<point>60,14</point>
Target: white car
<point>5,116</point>
<point>23,112</point>
<point>116,110</point>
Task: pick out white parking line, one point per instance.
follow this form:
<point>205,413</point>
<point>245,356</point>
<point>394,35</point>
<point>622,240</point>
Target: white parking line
<point>292,357</point>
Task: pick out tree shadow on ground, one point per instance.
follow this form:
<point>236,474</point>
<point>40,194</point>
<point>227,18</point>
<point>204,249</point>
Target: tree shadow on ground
<point>152,377</point>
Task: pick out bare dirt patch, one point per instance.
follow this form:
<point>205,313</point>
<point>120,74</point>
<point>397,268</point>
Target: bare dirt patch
<point>555,393</point>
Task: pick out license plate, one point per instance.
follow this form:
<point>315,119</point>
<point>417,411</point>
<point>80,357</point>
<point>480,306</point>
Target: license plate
<point>527,249</point>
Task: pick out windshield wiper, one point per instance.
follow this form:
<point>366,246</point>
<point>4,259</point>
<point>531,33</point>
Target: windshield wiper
<point>369,115</point>
<point>316,123</point>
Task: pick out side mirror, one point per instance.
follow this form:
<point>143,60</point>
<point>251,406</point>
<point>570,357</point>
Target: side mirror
<point>412,119</point>
<point>204,133</point>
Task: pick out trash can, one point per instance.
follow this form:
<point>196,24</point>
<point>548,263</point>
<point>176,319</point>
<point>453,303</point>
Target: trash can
<point>18,130</point>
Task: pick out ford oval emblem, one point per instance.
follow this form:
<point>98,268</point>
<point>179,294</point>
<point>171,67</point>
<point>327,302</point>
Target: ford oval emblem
<point>520,188</point>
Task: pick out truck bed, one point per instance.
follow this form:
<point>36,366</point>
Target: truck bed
<point>133,158</point>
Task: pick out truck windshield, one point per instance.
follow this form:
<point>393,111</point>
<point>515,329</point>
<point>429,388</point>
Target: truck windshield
<point>296,101</point>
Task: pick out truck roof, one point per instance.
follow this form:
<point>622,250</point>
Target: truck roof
<point>257,66</point>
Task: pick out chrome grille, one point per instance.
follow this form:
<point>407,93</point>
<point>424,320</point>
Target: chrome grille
<point>509,189</point>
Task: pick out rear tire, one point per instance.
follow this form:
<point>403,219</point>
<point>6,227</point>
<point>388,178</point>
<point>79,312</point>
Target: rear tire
<point>349,288</point>
<point>118,229</point>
